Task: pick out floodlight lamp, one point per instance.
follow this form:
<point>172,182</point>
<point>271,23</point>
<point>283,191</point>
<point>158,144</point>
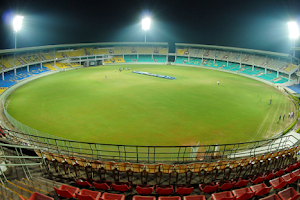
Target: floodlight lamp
<point>17,22</point>
<point>146,23</point>
<point>294,30</point>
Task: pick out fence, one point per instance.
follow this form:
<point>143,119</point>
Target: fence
<point>135,153</point>
<point>153,154</point>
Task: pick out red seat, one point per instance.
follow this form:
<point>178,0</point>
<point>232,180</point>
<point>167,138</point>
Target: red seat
<point>289,178</point>
<point>66,191</point>
<point>278,183</point>
<point>225,185</point>
<point>297,173</point>
<point>223,196</point>
<point>110,196</point>
<point>164,190</point>
<point>136,197</point>
<point>144,189</point>
<point>208,188</point>
<point>296,165</point>
<point>102,185</point>
<point>184,189</point>
<point>88,195</point>
<point>243,193</point>
<point>279,172</point>
<point>269,176</point>
<point>83,183</point>
<point>195,197</point>
<point>170,198</point>
<point>121,186</point>
<point>257,179</point>
<point>37,196</point>
<point>271,197</point>
<point>289,168</point>
<point>289,194</point>
<point>260,189</point>
<point>241,183</point>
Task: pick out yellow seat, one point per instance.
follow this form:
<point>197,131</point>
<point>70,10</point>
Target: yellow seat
<point>137,168</point>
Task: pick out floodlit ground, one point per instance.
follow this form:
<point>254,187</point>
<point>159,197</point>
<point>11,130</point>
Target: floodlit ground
<point>129,108</point>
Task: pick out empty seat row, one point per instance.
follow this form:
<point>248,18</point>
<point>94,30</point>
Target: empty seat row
<point>249,165</point>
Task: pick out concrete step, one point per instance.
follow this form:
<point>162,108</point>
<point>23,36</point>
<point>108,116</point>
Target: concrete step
<point>38,186</point>
<point>8,194</point>
<point>47,182</point>
<point>17,190</point>
<point>30,187</point>
<point>3,197</point>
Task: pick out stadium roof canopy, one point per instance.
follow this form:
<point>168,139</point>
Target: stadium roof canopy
<point>7,51</point>
<point>233,49</point>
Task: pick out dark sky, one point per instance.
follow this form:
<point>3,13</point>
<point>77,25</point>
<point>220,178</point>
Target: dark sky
<point>247,24</point>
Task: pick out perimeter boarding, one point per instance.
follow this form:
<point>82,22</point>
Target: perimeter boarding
<point>156,75</point>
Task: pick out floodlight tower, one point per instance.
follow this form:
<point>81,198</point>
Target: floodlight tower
<point>146,25</point>
<point>17,24</point>
<point>294,32</point>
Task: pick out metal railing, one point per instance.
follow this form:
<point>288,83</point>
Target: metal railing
<point>18,159</point>
<point>152,154</point>
<point>136,153</point>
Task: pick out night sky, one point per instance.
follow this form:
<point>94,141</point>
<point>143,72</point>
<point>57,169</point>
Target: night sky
<point>247,24</point>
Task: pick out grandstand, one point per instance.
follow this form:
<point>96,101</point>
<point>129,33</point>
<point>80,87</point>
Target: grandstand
<point>63,160</point>
<point>276,62</point>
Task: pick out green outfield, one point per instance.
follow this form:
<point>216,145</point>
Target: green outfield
<point>129,108</point>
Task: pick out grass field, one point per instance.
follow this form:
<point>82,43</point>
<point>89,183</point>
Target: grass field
<point>129,108</point>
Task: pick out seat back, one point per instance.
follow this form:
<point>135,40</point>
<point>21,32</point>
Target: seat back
<point>122,167</point>
<point>101,186</point>
<point>106,195</point>
<point>137,168</point>
<point>96,164</point>
<point>84,197</point>
<point>271,197</point>
<point>122,187</point>
<point>269,176</point>
<point>181,168</point>
<point>59,158</point>
<point>70,160</point>
<point>289,178</point>
<point>109,165</point>
<point>167,169</point>
<point>278,183</point>
<point>242,183</point>
<point>38,196</point>
<point>164,191</point>
<point>211,166</point>
<point>197,167</point>
<point>48,156</point>
<point>208,188</point>
<point>151,169</point>
<point>279,172</point>
<point>258,180</point>
<point>184,190</point>
<point>63,193</point>
<point>289,193</point>
<point>196,197</point>
<point>144,189</point>
<point>137,197</point>
<point>260,189</point>
<point>83,183</point>
<point>223,196</point>
<point>226,186</point>
<point>170,198</point>
<point>243,193</point>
